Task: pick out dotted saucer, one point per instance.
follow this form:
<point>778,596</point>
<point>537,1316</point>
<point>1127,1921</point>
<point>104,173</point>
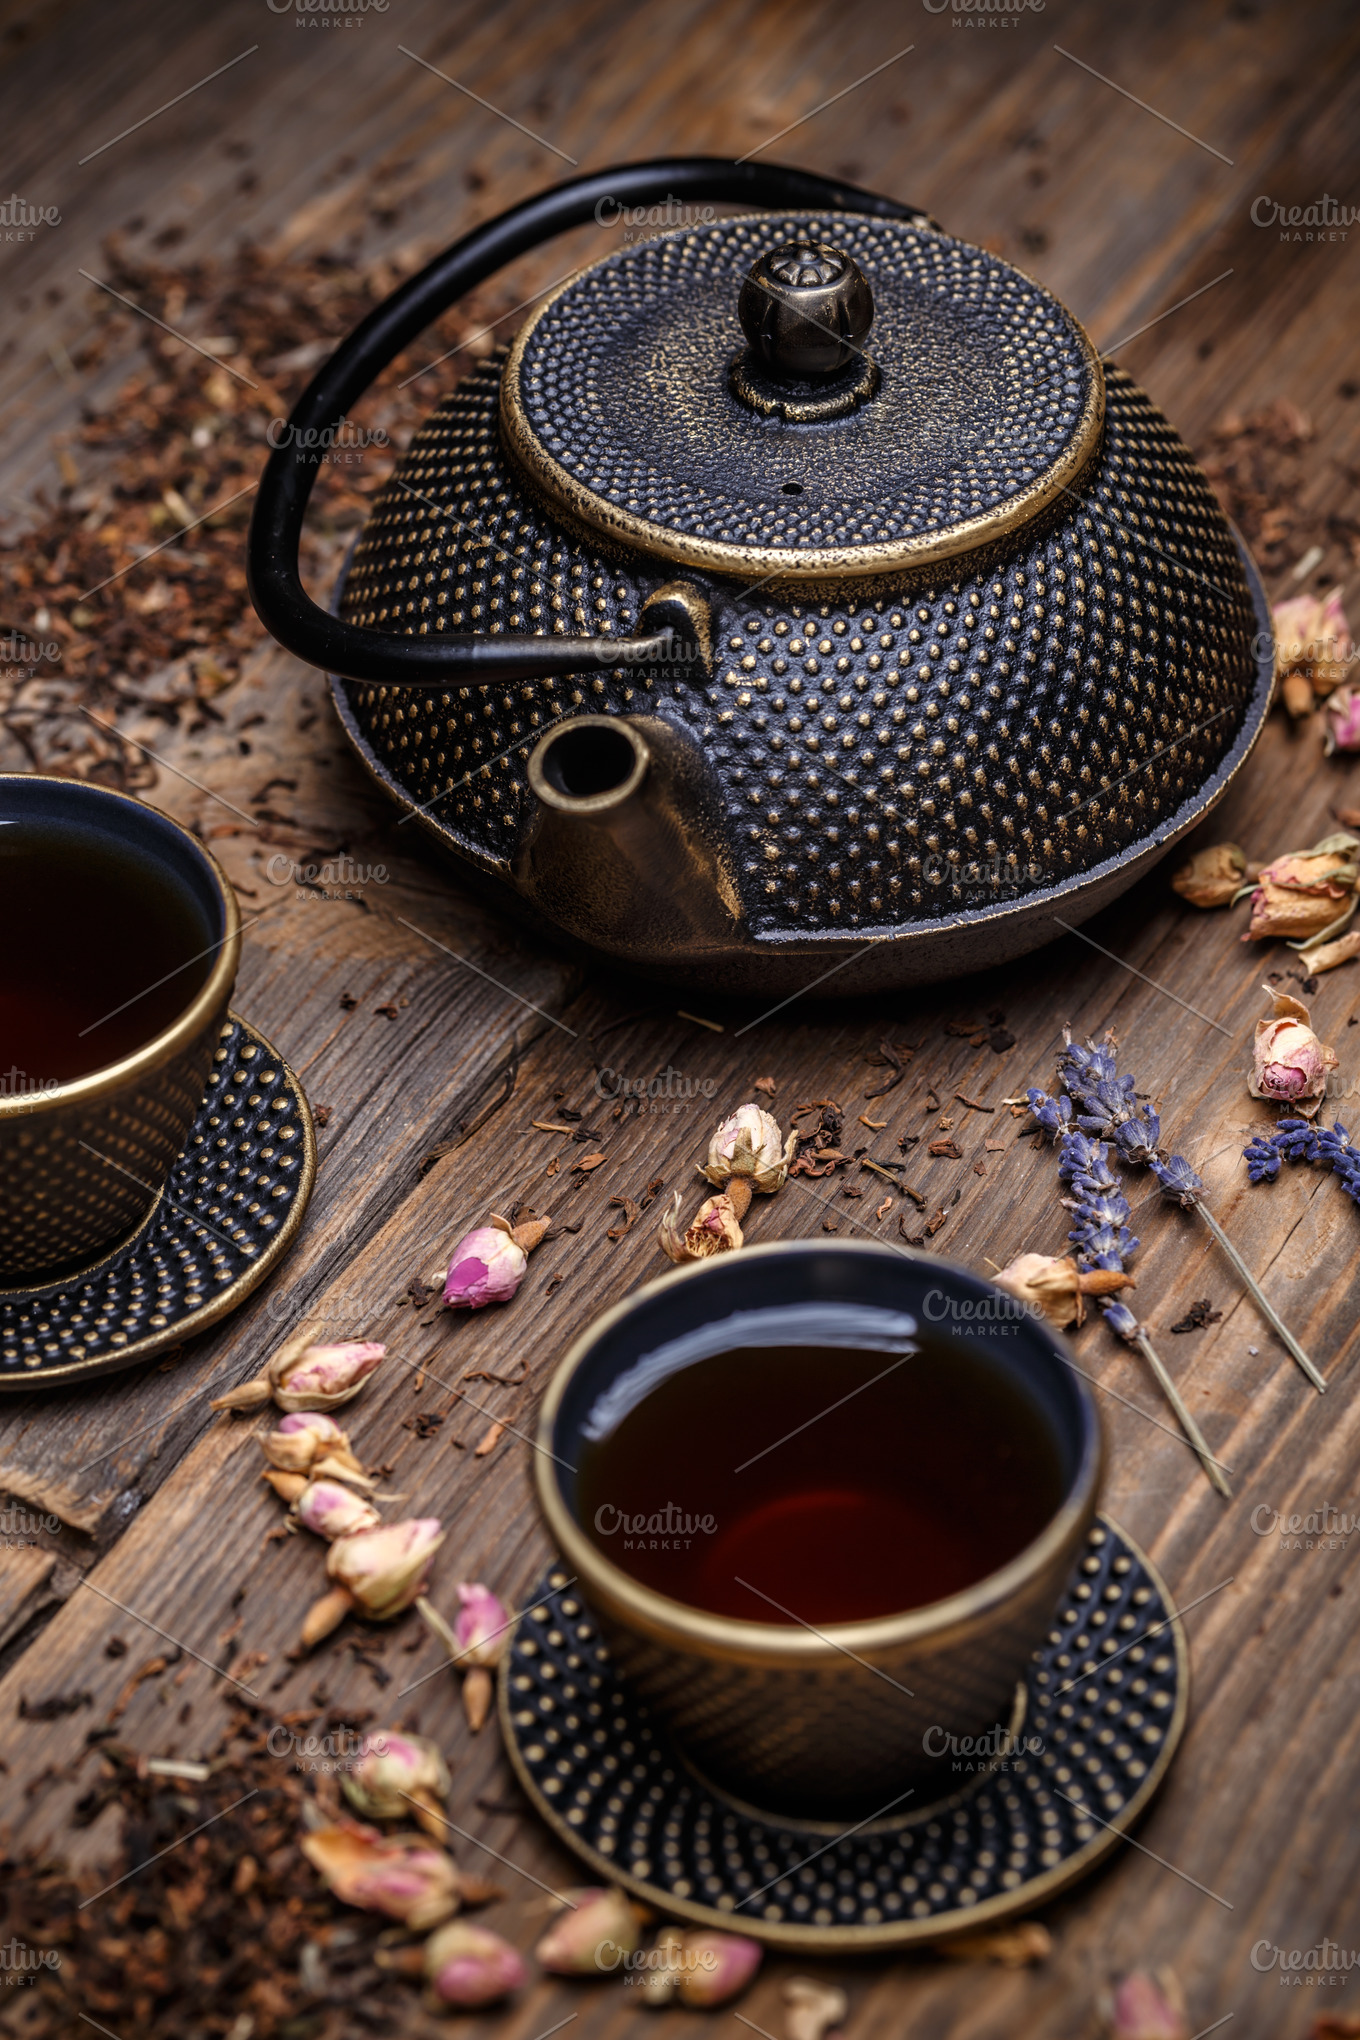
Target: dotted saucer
<point>1106,1698</point>
<point>227,1215</point>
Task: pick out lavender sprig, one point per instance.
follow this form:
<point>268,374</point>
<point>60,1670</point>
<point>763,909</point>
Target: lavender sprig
<point>1298,1140</point>
<point>1107,1103</point>
<point>1100,1238</point>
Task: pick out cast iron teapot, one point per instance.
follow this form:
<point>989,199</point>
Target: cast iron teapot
<point>799,601</point>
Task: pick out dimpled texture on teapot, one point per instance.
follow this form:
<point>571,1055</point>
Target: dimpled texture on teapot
<point>975,738</point>
<point>986,382</point>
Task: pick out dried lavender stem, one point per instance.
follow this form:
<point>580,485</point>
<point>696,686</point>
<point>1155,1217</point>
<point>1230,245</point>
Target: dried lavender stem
<point>1187,1422</point>
<point>1271,1316</point>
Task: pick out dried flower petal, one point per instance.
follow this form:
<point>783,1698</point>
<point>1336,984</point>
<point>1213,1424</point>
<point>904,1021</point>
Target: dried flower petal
<point>333,1511</point>
<point>1149,2008</point>
<point>487,1266</point>
<point>1212,877</point>
<point>302,1376</point>
<point>591,1937</point>
<point>814,2007</point>
<point>468,1966</point>
<point>1289,1063</point>
<point>393,1769</point>
<point>403,1876</point>
<point>717,1967</point>
<point>1328,955</point>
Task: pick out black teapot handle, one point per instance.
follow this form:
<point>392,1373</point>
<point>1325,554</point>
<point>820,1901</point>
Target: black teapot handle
<point>432,661</point>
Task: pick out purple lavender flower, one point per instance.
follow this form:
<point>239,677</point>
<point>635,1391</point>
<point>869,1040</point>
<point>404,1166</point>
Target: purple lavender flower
<point>1120,1320</point>
<point>1262,1158</point>
<point>1297,1140</point>
<point>1137,1138</point>
<point>1177,1178</point>
<point>1053,1114</point>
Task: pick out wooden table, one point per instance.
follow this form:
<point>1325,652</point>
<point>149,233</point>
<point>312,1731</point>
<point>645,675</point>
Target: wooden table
<point>430,1104</point>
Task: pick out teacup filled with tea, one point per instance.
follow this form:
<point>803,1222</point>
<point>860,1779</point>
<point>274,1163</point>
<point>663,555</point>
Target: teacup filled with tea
<point>121,943</point>
<point>824,1499</point>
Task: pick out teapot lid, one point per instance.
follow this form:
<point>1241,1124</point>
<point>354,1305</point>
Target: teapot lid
<point>901,397</point>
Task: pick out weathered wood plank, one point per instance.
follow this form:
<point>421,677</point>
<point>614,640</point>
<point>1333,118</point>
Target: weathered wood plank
<point>1133,219</point>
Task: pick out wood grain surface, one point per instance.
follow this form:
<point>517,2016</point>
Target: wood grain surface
<point>151,1518</point>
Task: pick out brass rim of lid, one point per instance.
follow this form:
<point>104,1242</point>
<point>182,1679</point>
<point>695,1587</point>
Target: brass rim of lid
<point>778,564</point>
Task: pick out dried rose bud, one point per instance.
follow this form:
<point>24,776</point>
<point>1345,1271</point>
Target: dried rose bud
<point>1328,955</point>
<point>1012,1947</point>
<point>814,2008</point>
<point>748,1152</point>
<point>1306,892</point>
<point>1054,1284</point>
<point>717,1967</point>
<point>714,1229</point>
<point>658,1979</point>
<point>1312,637</point>
<point>468,1966</point>
<point>308,1441</point>
<point>592,1936</point>
<point>380,1572</point>
<point>488,1266</point>
<point>1289,1063</point>
<point>306,1377</point>
<point>1342,731</point>
<point>333,1511</point>
<point>1149,2008</point>
<point>481,1626</point>
<point>404,1876</point>
<point>390,1772</point>
<point>1212,877</point>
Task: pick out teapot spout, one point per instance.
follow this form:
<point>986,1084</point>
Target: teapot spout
<point>624,847</point>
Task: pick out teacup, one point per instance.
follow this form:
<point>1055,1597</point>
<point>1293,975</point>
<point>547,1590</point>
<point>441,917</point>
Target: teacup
<point>121,943</point>
<point>789,1707</point>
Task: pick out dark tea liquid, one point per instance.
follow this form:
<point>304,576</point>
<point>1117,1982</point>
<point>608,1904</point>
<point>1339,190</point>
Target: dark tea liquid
<point>933,1474</point>
<point>87,927</point>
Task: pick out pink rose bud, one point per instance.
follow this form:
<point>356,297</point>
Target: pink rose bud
<point>385,1568</point>
<point>381,1572</point>
<point>1306,892</point>
<point>714,1229</point>
<point>1343,721</point>
<point>1149,2008</point>
<point>717,1967</point>
<point>481,1627</point>
<point>307,1377</point>
<point>308,1441</point>
<point>592,1936</point>
<point>1289,1063</point>
<point>749,1144</point>
<point>487,1267</point>
<point>333,1511</point>
<point>390,1772</point>
<point>468,1966</point>
<point>1212,877</point>
<point>400,1875</point>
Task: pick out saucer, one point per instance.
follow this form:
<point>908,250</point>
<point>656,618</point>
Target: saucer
<point>227,1215</point>
<point>1105,1695</point>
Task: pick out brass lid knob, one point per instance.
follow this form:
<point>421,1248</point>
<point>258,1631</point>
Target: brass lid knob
<point>806,309</point>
